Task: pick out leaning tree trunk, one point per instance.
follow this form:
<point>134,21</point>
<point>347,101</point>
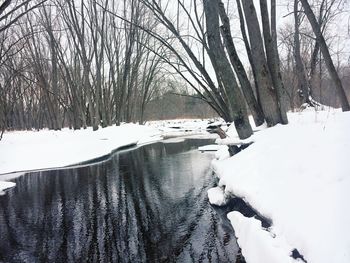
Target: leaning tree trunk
<point>270,39</point>
<point>224,71</point>
<point>247,47</point>
<point>322,21</point>
<point>246,87</point>
<point>326,55</point>
<point>299,65</point>
<point>268,97</point>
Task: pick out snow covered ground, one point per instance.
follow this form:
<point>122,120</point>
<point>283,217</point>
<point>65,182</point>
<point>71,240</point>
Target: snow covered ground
<point>179,127</point>
<point>29,150</point>
<point>298,176</point>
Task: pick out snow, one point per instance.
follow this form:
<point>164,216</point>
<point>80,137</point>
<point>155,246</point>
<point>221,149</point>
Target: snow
<point>222,153</point>
<point>217,196</point>
<point>234,141</point>
<point>232,133</point>
<point>257,243</point>
<point>180,127</point>
<point>5,185</point>
<point>297,176</point>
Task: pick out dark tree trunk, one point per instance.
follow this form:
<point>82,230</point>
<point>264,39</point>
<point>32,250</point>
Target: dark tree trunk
<point>313,64</point>
<point>247,47</point>
<point>268,97</point>
<point>303,87</point>
<point>239,68</point>
<point>224,71</point>
<point>270,39</point>
<point>54,73</point>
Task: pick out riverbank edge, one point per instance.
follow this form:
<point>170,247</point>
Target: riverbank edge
<point>290,174</point>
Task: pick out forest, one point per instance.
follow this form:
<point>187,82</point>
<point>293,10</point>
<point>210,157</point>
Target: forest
<point>71,63</point>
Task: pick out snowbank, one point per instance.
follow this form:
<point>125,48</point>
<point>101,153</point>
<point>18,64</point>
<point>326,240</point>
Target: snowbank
<point>257,244</point>
<point>29,150</point>
<point>217,196</point>
<point>296,175</point>
<point>181,127</point>
<point>5,185</point>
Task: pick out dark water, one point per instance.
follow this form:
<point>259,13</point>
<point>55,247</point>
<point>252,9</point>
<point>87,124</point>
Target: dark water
<point>143,205</point>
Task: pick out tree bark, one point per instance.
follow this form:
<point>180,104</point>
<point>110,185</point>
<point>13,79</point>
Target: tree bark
<point>224,71</point>
<point>270,40</point>
<point>247,47</point>
<point>303,88</point>
<point>326,55</point>
<point>54,71</point>
<point>268,97</point>
<point>246,87</point>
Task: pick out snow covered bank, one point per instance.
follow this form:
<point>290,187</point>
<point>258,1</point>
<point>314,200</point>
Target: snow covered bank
<point>257,244</point>
<point>298,176</point>
<point>183,127</point>
<point>217,196</point>
<point>29,150</point>
<point>5,185</point>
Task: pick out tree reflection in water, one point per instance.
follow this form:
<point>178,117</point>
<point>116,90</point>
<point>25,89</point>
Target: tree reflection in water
<point>143,205</point>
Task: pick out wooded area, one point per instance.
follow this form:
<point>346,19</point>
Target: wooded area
<point>70,63</point>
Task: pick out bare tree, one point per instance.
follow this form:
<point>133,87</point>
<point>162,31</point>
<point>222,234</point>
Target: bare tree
<point>272,56</point>
<point>304,90</point>
<point>326,55</point>
<point>267,94</point>
<point>224,71</point>
<point>10,13</point>
<point>210,92</point>
<point>247,89</point>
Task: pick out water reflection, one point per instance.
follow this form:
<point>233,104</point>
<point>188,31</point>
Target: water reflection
<point>145,205</point>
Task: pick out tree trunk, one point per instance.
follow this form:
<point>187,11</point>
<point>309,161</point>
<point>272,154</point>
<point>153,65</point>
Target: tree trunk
<point>247,89</point>
<point>326,55</point>
<point>247,47</point>
<point>270,39</point>
<point>268,97</point>
<point>313,64</point>
<point>303,88</point>
<point>54,72</point>
<point>224,71</point>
